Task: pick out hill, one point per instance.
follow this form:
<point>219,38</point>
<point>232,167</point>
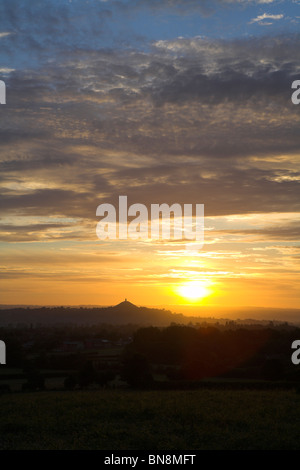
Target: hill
<point>121,314</point>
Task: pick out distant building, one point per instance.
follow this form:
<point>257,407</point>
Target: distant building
<point>71,346</point>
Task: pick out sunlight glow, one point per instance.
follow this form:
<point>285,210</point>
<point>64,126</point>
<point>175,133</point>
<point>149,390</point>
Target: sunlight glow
<point>194,290</point>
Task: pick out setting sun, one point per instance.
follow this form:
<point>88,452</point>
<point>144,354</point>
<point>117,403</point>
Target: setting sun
<point>193,290</point>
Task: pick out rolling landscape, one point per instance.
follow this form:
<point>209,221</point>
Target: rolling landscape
<point>126,312</point>
<point>146,369</point>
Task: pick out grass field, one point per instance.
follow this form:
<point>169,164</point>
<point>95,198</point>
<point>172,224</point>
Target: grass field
<point>141,420</point>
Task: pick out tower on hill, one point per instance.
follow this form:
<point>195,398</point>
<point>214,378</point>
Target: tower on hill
<point>126,304</point>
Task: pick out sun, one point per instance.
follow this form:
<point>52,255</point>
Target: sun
<point>193,290</point>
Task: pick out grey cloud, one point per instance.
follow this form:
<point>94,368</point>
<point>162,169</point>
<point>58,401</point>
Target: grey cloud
<point>288,233</point>
<point>49,202</point>
<point>36,232</point>
<point>210,72</point>
<point>228,70</point>
<point>30,227</point>
<point>229,191</point>
<point>225,85</point>
<point>158,126</point>
<point>232,191</point>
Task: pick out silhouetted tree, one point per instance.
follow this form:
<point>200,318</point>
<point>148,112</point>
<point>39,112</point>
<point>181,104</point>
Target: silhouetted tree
<point>35,381</point>
<point>104,376</point>
<point>70,382</point>
<point>87,374</point>
<point>273,370</point>
<point>136,370</point>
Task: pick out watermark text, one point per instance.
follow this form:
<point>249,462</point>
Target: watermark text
<point>164,222</point>
<point>296,354</point>
<point>2,92</point>
<point>2,352</point>
<point>296,95</point>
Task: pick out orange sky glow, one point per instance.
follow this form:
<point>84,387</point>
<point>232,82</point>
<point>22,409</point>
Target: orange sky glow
<point>164,103</point>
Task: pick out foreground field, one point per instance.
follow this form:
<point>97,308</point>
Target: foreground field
<point>133,420</point>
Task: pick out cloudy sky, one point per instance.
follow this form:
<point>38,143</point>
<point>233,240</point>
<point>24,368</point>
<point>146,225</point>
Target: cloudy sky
<point>165,101</point>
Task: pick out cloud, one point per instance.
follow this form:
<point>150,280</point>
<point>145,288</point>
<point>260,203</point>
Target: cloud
<point>40,232</point>
<point>4,34</point>
<point>264,16</point>
<point>190,121</point>
<point>285,233</point>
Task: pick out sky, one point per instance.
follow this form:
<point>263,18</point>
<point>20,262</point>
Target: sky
<point>164,101</point>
